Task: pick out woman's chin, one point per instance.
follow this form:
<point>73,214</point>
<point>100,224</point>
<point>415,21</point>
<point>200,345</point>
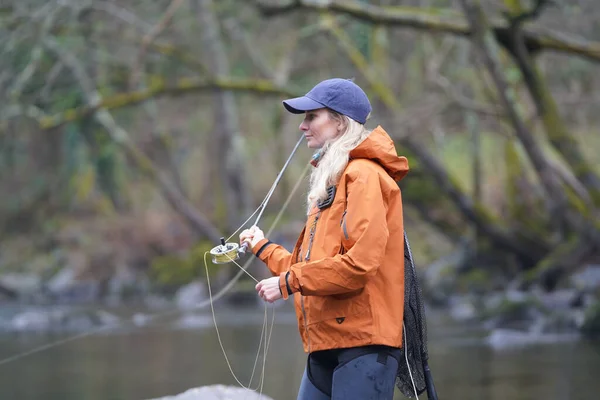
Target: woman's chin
<point>311,144</point>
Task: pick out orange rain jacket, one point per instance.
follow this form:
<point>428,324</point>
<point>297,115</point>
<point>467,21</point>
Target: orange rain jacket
<point>347,268</point>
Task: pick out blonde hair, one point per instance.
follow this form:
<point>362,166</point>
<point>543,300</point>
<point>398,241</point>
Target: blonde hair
<point>333,158</point>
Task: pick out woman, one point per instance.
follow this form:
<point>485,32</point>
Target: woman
<point>346,271</point>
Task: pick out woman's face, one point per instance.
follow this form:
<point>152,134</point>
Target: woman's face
<point>319,127</point>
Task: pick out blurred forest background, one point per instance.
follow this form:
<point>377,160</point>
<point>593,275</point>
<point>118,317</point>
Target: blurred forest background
<point>134,134</point>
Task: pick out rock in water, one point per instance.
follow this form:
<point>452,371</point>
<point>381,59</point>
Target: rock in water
<point>190,295</point>
<point>217,392</point>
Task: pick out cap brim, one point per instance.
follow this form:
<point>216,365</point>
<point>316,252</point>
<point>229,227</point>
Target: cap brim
<point>302,104</point>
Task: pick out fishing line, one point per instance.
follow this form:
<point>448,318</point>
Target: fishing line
<point>232,282</point>
<point>200,305</point>
<point>230,252</point>
<point>270,193</point>
<point>51,345</point>
<point>243,269</point>
<point>217,328</point>
<point>407,363</point>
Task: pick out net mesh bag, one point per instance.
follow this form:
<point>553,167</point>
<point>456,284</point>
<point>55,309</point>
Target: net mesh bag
<point>414,348</point>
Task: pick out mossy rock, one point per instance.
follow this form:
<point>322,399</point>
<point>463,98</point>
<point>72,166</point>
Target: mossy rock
<point>514,312</point>
<point>172,270</point>
<point>591,324</point>
<point>476,280</point>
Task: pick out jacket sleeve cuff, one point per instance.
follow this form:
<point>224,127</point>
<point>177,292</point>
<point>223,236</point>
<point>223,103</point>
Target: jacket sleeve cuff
<point>283,286</point>
<point>260,246</point>
<point>293,279</point>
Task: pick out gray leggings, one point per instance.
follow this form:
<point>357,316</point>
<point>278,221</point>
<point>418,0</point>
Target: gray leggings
<point>359,373</point>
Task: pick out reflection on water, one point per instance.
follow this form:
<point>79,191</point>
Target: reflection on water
<point>161,359</point>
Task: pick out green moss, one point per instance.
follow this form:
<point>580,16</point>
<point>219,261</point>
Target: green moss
<point>186,83</point>
<point>476,280</point>
<point>485,212</point>
<point>513,6</point>
<point>514,310</point>
<point>576,203</point>
<point>174,271</point>
<point>550,261</point>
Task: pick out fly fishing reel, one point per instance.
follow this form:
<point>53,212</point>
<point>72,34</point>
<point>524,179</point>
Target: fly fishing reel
<point>225,252</point>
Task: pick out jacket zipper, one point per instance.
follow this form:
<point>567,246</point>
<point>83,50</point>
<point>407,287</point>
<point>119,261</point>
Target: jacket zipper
<point>305,322</point>
<point>313,228</point>
<point>343,223</point>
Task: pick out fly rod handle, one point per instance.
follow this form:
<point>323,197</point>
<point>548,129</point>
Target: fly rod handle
<point>243,248</point>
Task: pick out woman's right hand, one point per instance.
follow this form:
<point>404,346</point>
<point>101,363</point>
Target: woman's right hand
<point>252,236</point>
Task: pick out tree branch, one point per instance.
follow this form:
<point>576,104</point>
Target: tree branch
<point>17,110</point>
<point>156,30</point>
<point>463,101</point>
<point>177,200</point>
<point>121,13</point>
<point>488,52</point>
<point>437,20</point>
<point>556,264</point>
<point>556,130</point>
<point>174,52</point>
<point>158,87</point>
<point>533,13</point>
<point>475,213</point>
<point>236,33</point>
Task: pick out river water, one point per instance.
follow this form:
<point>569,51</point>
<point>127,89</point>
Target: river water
<point>169,355</point>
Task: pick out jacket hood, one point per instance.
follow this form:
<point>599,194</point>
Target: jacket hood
<point>379,147</point>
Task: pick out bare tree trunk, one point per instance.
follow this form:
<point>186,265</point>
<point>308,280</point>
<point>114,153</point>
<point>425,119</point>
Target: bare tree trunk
<point>278,74</point>
<point>567,221</point>
<point>106,162</point>
<point>488,49</point>
<point>472,123</point>
<point>557,263</point>
<point>562,141</point>
<point>228,161</point>
<point>197,221</point>
<point>474,212</point>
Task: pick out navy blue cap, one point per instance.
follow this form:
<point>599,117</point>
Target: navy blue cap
<point>340,95</point>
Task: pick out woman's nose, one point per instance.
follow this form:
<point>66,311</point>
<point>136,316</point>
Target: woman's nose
<point>304,126</point>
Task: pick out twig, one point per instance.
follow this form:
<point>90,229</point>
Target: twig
<point>36,56</point>
<point>476,213</point>
<point>17,110</point>
<point>162,88</point>
<point>121,13</point>
<point>435,20</point>
<point>50,79</point>
<point>150,37</point>
<point>463,101</point>
<point>528,15</point>
<point>178,201</point>
<point>237,35</point>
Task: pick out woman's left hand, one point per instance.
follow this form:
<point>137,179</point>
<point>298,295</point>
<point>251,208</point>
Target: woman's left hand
<point>268,289</point>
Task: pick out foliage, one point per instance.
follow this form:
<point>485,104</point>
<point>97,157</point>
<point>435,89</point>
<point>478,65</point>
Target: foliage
<point>119,108</point>
<point>171,270</point>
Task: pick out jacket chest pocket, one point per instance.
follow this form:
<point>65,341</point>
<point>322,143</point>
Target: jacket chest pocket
<point>344,226</point>
<point>346,231</point>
